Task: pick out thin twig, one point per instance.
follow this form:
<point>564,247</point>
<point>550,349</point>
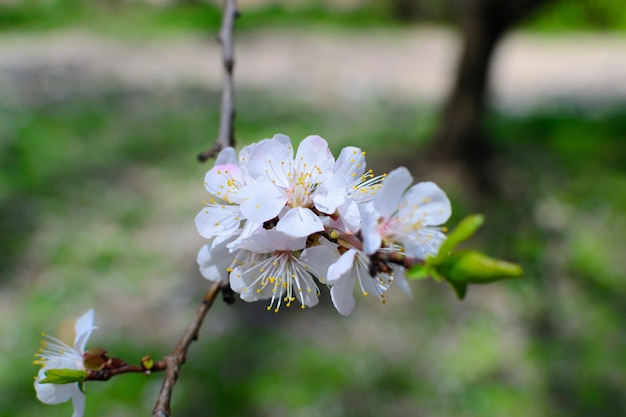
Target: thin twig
<point>176,359</point>
<point>226,134</point>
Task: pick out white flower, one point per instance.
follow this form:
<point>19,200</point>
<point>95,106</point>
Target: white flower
<point>351,267</point>
<point>55,354</point>
<point>396,217</point>
<point>300,184</point>
<point>277,268</point>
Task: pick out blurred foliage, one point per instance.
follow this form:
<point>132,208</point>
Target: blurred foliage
<point>99,187</point>
<point>121,17</point>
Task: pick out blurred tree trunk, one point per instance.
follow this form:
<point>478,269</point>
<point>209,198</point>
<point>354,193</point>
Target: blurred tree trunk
<point>461,137</point>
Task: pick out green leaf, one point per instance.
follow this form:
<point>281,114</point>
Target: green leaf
<point>463,231</point>
<point>472,267</point>
<point>63,376</point>
<point>460,289</point>
<point>418,272</point>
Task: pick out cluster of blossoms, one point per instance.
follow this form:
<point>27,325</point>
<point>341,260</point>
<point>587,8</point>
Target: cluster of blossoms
<point>280,221</point>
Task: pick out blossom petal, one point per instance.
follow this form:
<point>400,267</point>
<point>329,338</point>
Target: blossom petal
<point>350,164</point>
<point>270,161</point>
<point>319,259</point>
<point>314,151</point>
<point>426,241</point>
<point>53,393</point>
<point>213,262</point>
<point>268,241</point>
<point>227,156</point>
<point>399,278</point>
<point>223,181</point>
<point>387,199</point>
<point>78,401</point>
<point>218,220</point>
<point>369,229</point>
<point>433,206</point>
<point>262,202</point>
<point>330,195</point>
<point>300,222</point>
<point>339,269</point>
<point>342,294</point>
<point>83,328</point>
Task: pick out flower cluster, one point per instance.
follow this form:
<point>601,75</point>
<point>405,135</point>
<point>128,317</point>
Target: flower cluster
<point>280,222</point>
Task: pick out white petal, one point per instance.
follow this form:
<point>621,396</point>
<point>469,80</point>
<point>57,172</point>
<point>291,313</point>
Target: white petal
<point>226,156</point>
<point>218,220</point>
<point>428,203</point>
<point>268,241</point>
<point>83,327</point>
<point>400,280</point>
<point>221,180</point>
<point>330,195</point>
<point>319,259</point>
<point>341,294</point>
<point>369,229</point>
<point>300,222</point>
<point>284,139</point>
<point>314,151</point>
<point>53,393</point>
<point>387,199</point>
<point>78,400</point>
<point>426,241</point>
<point>350,215</point>
<point>350,164</point>
<point>262,202</point>
<point>270,161</point>
<point>343,265</point>
<point>213,262</point>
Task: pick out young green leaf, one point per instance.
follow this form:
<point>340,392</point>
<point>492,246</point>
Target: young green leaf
<point>63,376</point>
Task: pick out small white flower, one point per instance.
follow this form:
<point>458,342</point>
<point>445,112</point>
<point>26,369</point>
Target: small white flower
<point>405,218</point>
<point>301,184</point>
<point>55,354</point>
<point>350,268</point>
<point>279,269</point>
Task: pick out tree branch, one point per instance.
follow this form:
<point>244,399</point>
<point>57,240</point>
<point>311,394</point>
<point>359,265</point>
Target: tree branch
<point>226,134</point>
<point>176,359</point>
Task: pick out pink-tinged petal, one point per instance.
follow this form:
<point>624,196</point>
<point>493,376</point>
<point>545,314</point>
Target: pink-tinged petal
<point>227,156</point>
<point>53,393</point>
<point>329,195</point>
<point>369,229</point>
<point>427,203</point>
<point>388,197</point>
<point>83,328</point>
<point>300,222</point>
<point>350,164</point>
<point>314,151</point>
<point>78,401</point>
<point>218,220</point>
<point>262,202</point>
<point>271,161</point>
<point>340,268</point>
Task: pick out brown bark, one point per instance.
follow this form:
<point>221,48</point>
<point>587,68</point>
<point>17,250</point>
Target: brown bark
<point>461,136</point>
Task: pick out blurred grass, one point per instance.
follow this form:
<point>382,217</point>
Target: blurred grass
<point>123,19</point>
<point>99,191</point>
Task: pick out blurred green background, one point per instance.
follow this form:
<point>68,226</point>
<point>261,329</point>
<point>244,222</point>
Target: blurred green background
<point>99,187</point>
